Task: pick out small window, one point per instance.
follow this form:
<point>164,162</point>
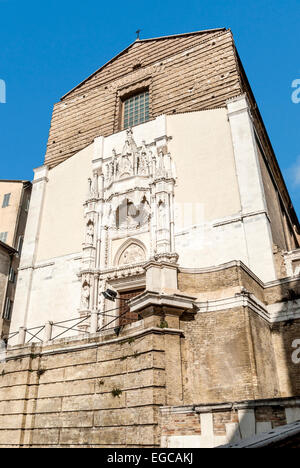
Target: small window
<point>27,203</point>
<point>6,200</point>
<point>3,236</point>
<point>136,109</point>
<point>12,275</point>
<point>8,309</point>
<point>20,244</point>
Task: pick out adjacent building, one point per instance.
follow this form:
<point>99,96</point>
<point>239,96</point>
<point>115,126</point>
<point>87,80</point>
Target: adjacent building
<point>14,206</point>
<point>8,267</point>
<point>160,184</point>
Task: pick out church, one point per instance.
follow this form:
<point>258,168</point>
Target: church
<point>157,301</point>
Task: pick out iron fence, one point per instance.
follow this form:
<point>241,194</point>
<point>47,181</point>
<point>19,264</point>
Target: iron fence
<point>50,332</point>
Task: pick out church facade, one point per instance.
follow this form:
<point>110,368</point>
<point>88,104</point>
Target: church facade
<point>160,186</point>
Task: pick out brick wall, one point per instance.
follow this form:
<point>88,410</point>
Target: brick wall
<point>203,77</point>
<point>217,358</point>
<point>214,425</point>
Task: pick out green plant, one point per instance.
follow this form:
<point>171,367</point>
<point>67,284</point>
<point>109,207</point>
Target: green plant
<point>40,372</point>
<point>116,392</point>
<point>100,382</point>
<point>3,373</point>
<point>163,324</point>
<point>136,354</point>
<point>123,358</point>
<point>130,340</point>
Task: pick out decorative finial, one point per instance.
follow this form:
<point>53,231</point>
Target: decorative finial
<point>138,34</point>
<point>129,133</point>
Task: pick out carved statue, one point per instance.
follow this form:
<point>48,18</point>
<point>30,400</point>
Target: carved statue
<point>90,233</point>
<point>89,188</point>
<point>101,299</point>
<point>107,172</point>
<point>144,212</point>
<point>126,168</point>
<point>162,215</point>
<point>115,163</point>
<point>143,164</point>
<point>160,164</point>
<point>85,296</point>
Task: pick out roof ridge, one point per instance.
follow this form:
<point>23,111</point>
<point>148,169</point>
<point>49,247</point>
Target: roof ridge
<point>181,35</point>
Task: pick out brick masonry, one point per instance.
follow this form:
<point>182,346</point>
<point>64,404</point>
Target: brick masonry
<point>189,73</point>
<point>214,425</point>
<point>156,386</point>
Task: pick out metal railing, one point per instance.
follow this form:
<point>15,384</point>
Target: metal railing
<point>48,332</point>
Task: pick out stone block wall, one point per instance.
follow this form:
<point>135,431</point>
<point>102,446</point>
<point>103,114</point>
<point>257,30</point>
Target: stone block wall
<point>83,393</point>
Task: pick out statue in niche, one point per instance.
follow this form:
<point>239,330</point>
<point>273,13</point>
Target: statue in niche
<point>133,254</point>
<point>107,172</point>
<point>153,164</point>
<point>143,165</point>
<point>101,301</point>
<point>89,187</point>
<point>142,168</point>
<point>90,233</point>
<point>111,169</point>
<point>162,215</point>
<point>161,166</point>
<point>126,166</point>
<point>115,162</point>
<point>85,296</point>
<point>144,212</point>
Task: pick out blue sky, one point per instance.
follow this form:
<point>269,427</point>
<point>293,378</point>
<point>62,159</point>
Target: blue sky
<point>47,47</point>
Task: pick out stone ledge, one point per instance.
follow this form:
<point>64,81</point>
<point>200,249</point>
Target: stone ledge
<point>289,402</point>
<point>18,352</point>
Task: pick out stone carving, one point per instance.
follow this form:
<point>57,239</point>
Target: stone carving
<point>85,296</point>
<point>160,167</point>
<point>101,299</point>
<point>162,215</point>
<point>132,254</point>
<point>125,168</point>
<point>90,233</point>
<point>138,162</point>
<point>89,192</point>
<point>117,204</point>
<point>94,185</point>
<point>143,161</point>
